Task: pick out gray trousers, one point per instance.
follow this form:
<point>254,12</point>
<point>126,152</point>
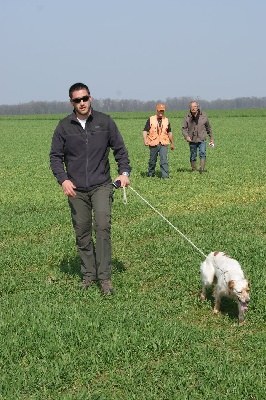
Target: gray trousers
<point>92,210</point>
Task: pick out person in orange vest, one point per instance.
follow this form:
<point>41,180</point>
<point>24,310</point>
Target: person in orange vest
<point>157,135</point>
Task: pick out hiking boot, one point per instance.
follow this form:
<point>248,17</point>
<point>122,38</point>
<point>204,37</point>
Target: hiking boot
<point>193,166</point>
<point>86,283</point>
<point>106,287</point>
<point>202,165</point>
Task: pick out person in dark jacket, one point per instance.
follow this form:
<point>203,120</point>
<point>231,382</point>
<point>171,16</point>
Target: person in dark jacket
<point>79,161</point>
<point>195,128</point>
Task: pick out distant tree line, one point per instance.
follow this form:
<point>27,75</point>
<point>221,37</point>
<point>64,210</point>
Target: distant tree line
<point>110,105</point>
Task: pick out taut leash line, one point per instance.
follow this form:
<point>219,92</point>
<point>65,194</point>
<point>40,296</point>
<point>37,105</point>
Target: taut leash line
<point>174,227</point>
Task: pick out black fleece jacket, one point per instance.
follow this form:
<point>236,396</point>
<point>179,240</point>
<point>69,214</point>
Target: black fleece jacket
<point>81,155</point>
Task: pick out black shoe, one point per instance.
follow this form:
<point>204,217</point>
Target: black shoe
<point>106,287</point>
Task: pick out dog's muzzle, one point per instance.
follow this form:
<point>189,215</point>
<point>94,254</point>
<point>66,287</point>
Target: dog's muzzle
<point>244,304</point>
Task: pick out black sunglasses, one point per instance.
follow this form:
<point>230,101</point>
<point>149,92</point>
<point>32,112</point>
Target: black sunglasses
<point>78,100</point>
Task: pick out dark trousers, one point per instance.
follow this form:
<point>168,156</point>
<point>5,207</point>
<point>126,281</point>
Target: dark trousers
<point>163,152</point>
<point>93,210</point>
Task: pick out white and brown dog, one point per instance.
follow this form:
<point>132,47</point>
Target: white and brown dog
<point>227,276</point>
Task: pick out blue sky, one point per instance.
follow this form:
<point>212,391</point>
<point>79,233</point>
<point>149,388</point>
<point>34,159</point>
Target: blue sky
<point>141,49</point>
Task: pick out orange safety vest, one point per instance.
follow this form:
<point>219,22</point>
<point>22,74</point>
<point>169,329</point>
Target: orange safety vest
<point>158,134</point>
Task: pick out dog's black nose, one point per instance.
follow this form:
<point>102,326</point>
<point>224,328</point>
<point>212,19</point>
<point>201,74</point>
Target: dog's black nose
<point>248,300</point>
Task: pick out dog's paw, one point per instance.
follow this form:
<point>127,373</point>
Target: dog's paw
<point>202,296</point>
<point>215,311</point>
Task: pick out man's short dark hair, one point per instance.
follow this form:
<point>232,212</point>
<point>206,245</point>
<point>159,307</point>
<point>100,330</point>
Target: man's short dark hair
<point>77,86</point>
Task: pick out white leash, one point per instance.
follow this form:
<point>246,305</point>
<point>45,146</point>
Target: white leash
<point>154,209</point>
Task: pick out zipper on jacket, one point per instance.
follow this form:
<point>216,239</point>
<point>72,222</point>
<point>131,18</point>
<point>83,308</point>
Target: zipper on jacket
<point>87,159</point>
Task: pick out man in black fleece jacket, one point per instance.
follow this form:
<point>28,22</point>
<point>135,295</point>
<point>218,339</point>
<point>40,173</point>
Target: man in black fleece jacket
<point>79,160</point>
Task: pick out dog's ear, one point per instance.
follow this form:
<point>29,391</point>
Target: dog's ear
<point>231,284</point>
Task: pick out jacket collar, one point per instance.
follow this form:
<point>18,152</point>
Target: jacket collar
<point>73,116</point>
<point>191,115</point>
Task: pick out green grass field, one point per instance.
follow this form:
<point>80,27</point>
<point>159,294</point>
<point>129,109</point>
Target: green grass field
<point>154,339</point>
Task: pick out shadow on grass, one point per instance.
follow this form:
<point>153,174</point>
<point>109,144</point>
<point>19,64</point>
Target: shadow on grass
<point>228,306</point>
<point>71,266</point>
<point>157,174</point>
<point>184,170</point>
